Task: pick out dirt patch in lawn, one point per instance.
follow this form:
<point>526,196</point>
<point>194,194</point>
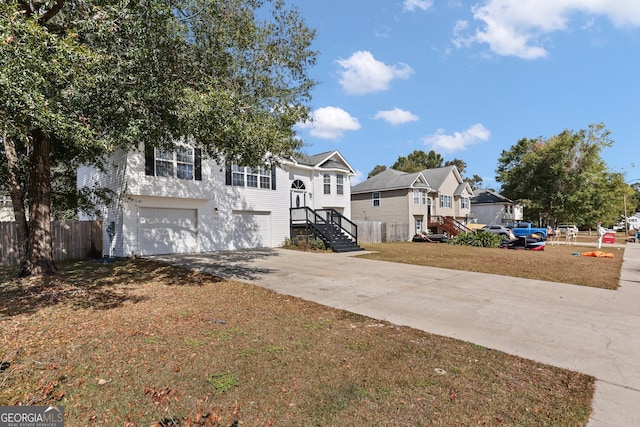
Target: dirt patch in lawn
<point>557,263</point>
<point>141,343</point>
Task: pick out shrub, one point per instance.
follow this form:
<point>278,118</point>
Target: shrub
<point>480,239</point>
<point>317,244</point>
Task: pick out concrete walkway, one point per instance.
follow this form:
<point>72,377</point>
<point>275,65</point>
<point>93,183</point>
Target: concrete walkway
<point>589,330</point>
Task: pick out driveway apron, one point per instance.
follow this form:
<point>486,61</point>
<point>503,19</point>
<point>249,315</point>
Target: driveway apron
<point>589,330</point>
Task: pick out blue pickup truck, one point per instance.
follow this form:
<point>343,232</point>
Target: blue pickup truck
<point>526,229</point>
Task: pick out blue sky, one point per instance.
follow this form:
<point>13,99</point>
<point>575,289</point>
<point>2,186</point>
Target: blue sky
<point>469,79</point>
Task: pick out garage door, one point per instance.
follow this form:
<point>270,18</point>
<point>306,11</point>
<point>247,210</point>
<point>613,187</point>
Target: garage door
<point>251,229</point>
<point>167,231</point>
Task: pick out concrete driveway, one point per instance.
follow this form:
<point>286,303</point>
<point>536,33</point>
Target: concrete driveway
<point>589,330</point>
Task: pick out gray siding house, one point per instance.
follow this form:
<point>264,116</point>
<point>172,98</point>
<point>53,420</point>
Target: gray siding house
<point>490,207</point>
<point>433,199</point>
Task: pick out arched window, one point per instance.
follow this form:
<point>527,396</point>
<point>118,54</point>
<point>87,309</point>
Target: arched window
<point>297,185</point>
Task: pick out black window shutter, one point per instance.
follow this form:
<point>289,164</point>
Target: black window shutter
<point>149,161</point>
<point>197,164</point>
<point>273,177</point>
<point>227,174</point>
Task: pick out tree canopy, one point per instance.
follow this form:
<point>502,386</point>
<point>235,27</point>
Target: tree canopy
<point>80,79</point>
<point>376,170</point>
<point>418,160</point>
<point>563,178</point>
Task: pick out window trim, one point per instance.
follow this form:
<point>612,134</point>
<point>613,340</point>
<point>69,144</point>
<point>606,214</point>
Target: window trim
<point>154,156</point>
<point>340,184</point>
<point>326,184</point>
<point>261,178</point>
<point>375,199</point>
<point>448,199</point>
<point>465,202</point>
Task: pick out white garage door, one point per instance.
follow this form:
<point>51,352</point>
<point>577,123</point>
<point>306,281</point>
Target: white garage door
<point>251,229</point>
<point>167,231</point>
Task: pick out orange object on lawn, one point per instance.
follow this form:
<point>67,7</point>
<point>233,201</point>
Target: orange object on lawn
<point>598,254</point>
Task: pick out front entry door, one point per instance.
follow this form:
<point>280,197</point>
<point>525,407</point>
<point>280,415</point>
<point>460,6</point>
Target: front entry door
<point>298,194</point>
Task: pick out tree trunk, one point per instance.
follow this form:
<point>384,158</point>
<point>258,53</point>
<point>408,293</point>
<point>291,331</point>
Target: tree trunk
<point>40,251</point>
<point>17,198</point>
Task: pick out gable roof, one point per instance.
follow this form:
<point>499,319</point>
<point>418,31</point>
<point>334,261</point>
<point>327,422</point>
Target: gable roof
<point>437,176</point>
<point>326,160</point>
<point>488,197</point>
<point>391,179</point>
<point>461,187</point>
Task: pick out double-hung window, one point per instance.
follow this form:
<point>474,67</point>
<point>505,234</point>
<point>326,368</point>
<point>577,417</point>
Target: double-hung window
<point>339,184</point>
<point>376,199</point>
<point>164,163</point>
<point>245,176</point>
<point>237,175</point>
<point>183,163</point>
<point>446,201</point>
<point>424,197</point>
<point>327,183</point>
<point>464,203</point>
<point>416,197</point>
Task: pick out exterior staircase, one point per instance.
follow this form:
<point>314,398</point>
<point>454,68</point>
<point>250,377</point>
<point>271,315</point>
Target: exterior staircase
<point>452,226</point>
<point>336,231</point>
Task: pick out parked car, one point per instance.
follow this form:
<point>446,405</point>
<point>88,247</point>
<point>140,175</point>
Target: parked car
<point>526,229</point>
<point>563,228</point>
<point>431,238</point>
<point>499,229</point>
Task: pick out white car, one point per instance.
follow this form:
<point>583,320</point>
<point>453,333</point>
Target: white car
<point>500,230</point>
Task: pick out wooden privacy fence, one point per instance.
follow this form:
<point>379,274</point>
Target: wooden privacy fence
<point>71,240</point>
<point>378,232</point>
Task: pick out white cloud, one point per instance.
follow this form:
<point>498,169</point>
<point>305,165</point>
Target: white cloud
<point>330,123</point>
<point>517,27</point>
<point>396,116</point>
<point>362,73</point>
<point>459,140</point>
<point>412,5</point>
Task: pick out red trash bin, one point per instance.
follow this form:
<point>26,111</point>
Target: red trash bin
<point>609,237</point>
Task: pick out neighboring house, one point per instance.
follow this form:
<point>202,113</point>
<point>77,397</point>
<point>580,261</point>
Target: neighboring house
<point>489,207</point>
<point>6,208</point>
<point>435,199</point>
<point>451,199</point>
<point>178,202</point>
<point>393,197</point>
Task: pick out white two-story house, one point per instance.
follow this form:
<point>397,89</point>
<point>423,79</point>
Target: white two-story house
<point>179,202</point>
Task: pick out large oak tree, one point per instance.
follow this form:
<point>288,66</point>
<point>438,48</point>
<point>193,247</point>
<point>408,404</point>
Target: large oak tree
<point>563,178</point>
<point>80,79</point>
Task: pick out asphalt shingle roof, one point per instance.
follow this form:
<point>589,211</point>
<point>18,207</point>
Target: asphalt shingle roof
<point>390,179</point>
